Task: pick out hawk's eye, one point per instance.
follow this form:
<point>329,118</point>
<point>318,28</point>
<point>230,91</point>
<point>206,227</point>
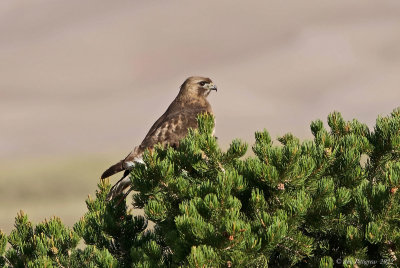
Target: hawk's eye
<point>202,83</point>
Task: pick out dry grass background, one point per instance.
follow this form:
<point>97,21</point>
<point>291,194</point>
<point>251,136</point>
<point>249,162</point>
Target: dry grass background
<point>82,81</point>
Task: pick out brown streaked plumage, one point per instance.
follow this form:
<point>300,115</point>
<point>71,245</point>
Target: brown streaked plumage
<point>170,128</point>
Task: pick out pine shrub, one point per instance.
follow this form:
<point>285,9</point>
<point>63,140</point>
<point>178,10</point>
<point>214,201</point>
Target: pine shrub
<point>328,202</point>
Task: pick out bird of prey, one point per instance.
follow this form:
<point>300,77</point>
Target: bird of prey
<point>170,128</point>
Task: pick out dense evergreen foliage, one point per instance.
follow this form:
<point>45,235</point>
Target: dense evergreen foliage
<point>333,201</point>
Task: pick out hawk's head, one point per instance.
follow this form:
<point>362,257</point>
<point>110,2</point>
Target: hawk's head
<point>196,86</point>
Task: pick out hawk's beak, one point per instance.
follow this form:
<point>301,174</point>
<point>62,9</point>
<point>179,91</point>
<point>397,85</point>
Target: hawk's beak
<point>212,87</point>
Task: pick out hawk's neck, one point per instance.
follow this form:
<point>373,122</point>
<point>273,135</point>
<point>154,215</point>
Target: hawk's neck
<point>198,104</point>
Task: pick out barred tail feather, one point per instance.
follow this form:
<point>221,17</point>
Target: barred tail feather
<point>118,167</point>
<point>119,187</point>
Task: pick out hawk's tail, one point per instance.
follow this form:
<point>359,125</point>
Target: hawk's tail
<point>118,167</point>
<point>119,187</point>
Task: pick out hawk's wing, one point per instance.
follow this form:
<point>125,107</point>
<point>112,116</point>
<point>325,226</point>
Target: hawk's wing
<point>168,129</point>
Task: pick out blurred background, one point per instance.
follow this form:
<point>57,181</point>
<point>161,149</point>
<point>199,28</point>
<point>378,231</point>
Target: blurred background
<point>81,82</point>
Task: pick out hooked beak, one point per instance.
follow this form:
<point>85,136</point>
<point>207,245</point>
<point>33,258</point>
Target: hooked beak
<point>212,87</point>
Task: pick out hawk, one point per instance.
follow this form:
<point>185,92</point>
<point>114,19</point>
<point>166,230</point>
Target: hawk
<point>170,128</point>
